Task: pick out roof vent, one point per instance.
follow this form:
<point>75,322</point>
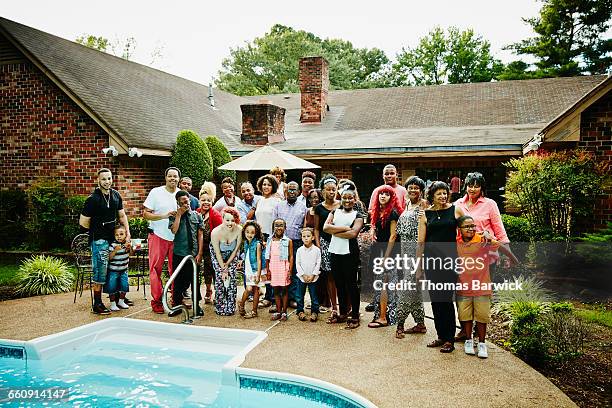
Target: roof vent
<point>211,98</point>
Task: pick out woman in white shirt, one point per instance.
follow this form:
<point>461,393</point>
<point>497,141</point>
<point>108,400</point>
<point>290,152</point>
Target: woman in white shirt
<point>344,225</point>
<point>267,186</point>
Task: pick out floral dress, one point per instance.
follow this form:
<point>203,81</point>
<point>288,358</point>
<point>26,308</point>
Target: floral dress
<point>225,292</point>
<point>410,301</point>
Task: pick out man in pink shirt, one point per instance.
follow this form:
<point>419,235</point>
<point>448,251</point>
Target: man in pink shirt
<point>390,178</point>
<point>455,187</point>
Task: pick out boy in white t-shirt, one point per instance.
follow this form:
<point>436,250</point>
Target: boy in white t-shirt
<point>159,206</point>
<point>308,264</point>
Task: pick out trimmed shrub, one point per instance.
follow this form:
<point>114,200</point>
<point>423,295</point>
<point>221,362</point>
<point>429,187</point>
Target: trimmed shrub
<point>74,206</point>
<point>192,157</point>
<point>517,228</point>
<point>43,275</point>
<point>12,218</point>
<point>220,156</point>
<point>47,205</point>
<point>138,227</point>
<point>527,335</point>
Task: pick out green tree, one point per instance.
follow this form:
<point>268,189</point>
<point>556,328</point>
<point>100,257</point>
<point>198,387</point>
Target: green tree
<point>192,157</point>
<point>220,156</point>
<point>269,64</point>
<point>91,41</point>
<point>452,57</point>
<point>568,38</point>
<point>122,48</point>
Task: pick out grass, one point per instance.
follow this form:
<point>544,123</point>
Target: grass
<point>601,317</point>
<point>8,274</point>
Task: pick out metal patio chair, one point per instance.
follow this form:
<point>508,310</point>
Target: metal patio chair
<point>82,257</point>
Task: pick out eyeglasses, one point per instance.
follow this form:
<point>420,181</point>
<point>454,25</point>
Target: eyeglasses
<point>292,190</point>
<point>473,227</point>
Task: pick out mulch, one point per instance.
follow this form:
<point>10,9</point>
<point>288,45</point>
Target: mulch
<point>586,380</point>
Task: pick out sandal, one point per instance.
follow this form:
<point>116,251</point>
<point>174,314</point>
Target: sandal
<point>352,324</point>
<point>374,324</point>
<point>283,317</point>
<point>399,333</point>
<point>416,329</point>
<point>250,315</point>
<point>447,347</point>
<point>314,317</point>
<point>275,316</point>
<point>336,318</point>
<point>302,316</point>
<point>241,310</point>
<point>436,343</point>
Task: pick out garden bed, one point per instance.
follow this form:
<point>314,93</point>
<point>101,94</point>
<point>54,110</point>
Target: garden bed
<point>587,380</point>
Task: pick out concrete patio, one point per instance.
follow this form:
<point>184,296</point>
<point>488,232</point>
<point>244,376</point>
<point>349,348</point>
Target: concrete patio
<point>371,362</point>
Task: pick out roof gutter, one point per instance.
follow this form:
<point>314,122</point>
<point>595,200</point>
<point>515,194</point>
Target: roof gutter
<point>510,148</point>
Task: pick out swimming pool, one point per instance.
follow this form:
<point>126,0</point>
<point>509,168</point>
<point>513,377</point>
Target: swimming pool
<point>127,362</point>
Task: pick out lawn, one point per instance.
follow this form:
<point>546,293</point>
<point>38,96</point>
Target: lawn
<point>602,317</point>
<point>8,274</point>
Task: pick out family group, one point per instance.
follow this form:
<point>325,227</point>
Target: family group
<point>293,237</point>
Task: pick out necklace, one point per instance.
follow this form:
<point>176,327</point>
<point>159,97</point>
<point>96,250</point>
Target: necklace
<point>107,200</point>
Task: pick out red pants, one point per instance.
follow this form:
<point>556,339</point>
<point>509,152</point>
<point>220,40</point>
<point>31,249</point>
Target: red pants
<point>159,249</point>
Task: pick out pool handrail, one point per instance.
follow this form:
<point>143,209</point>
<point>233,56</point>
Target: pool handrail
<point>194,291</point>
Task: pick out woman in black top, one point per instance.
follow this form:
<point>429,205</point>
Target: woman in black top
<point>438,233</point>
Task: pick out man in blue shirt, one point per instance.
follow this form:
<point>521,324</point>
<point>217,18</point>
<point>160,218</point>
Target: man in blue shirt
<point>293,212</point>
<point>246,207</point>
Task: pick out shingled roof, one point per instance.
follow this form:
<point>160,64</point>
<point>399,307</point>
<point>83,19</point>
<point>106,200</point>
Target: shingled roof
<point>146,107</point>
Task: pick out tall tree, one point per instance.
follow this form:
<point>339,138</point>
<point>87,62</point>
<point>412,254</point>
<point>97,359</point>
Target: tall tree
<point>269,64</point>
<point>452,57</point>
<point>569,37</point>
<point>119,48</point>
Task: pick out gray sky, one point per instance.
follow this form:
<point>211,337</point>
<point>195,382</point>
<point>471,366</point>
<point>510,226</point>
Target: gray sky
<point>195,36</point>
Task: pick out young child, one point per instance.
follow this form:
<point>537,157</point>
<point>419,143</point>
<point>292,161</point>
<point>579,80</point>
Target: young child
<point>117,277</point>
<point>252,239</point>
<point>279,262</point>
<point>308,264</point>
<point>474,303</point>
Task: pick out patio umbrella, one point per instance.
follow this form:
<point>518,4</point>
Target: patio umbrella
<point>267,157</point>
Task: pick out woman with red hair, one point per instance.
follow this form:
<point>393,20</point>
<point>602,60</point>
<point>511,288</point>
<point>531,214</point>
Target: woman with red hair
<point>225,242</point>
<point>384,216</point>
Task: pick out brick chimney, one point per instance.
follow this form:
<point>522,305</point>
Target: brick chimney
<point>314,86</point>
<point>262,123</point>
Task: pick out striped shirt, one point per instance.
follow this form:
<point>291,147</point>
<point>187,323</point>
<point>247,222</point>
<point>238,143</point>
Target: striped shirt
<point>120,261</point>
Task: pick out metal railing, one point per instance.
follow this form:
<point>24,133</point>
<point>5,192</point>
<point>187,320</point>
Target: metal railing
<point>194,292</point>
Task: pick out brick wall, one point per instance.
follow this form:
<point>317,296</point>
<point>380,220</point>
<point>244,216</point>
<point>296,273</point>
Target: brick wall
<point>596,137</point>
<point>43,133</point>
<point>314,87</point>
<point>262,123</point>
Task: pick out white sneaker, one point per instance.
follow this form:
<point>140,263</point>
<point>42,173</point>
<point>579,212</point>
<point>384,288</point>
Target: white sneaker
<point>482,350</point>
<point>468,346</point>
<point>122,304</point>
<point>113,307</point>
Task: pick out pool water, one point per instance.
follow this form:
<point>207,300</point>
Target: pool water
<point>120,371</point>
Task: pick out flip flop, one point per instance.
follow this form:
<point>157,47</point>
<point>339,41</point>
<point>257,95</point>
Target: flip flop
<point>375,325</point>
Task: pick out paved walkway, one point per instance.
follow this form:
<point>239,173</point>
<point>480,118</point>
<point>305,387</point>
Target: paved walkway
<point>371,362</point>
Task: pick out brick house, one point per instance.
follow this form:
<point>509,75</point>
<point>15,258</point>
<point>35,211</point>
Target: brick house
<point>62,103</point>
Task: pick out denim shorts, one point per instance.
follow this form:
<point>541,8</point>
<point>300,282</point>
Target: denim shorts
<point>99,261</point>
<point>116,282</point>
